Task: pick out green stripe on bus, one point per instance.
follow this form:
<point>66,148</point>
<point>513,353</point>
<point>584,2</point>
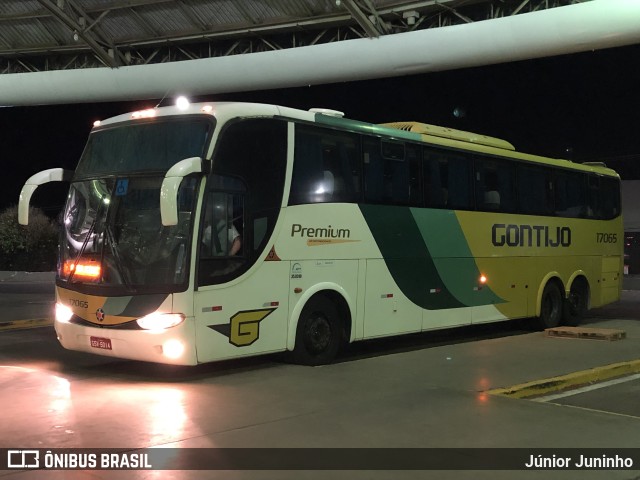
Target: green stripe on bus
<point>425,251</point>
<point>407,257</point>
<point>448,246</point>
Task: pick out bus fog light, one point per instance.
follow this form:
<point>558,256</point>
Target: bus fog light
<point>160,321</point>
<point>172,348</point>
<point>63,313</point>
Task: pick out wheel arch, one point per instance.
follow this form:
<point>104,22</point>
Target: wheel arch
<point>336,294</point>
<point>549,277</point>
<point>578,276</point>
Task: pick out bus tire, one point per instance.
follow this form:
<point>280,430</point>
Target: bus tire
<point>319,332</point>
<point>550,306</point>
<point>577,303</point>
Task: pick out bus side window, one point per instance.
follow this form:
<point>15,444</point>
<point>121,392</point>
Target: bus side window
<point>395,177</point>
<point>494,185</point>
<point>222,232</point>
<point>373,170</point>
<point>325,167</point>
<point>447,180</point>
<point>435,190</point>
<point>391,172</point>
<point>570,194</point>
<point>222,226</point>
<point>594,208</point>
<point>249,165</point>
<point>609,197</point>
<point>414,158</point>
<point>535,195</point>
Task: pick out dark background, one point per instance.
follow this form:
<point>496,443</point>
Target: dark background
<point>581,107</point>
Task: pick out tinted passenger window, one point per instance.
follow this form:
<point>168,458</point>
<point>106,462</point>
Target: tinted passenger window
<point>534,190</point>
<point>447,180</point>
<point>495,185</point>
<point>610,197</point>
<point>594,197</point>
<point>325,168</point>
<point>414,159</point>
<point>391,172</point>
<point>570,194</point>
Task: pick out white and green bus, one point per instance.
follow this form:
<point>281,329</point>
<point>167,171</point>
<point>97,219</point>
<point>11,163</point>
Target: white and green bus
<point>219,230</point>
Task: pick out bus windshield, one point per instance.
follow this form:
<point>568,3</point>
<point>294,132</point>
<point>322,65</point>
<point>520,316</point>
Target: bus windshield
<point>113,235</point>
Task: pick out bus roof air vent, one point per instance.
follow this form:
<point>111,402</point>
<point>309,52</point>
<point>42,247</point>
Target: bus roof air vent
<point>451,133</point>
<point>327,111</point>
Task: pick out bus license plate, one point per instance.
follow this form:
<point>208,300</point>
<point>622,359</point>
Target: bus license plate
<point>100,342</point>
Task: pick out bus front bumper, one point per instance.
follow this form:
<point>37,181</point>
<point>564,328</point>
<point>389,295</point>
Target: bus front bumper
<point>175,346</point>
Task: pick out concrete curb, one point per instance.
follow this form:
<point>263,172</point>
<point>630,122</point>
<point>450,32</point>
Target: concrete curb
<point>539,388</point>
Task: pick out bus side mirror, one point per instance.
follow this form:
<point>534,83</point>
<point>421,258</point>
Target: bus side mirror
<point>45,176</point>
<point>171,185</point>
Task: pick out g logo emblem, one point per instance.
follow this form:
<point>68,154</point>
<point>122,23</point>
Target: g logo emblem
<point>100,314</point>
<point>244,327</point>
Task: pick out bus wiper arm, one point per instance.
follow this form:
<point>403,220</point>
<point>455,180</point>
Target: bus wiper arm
<point>83,247</point>
<point>116,255</point>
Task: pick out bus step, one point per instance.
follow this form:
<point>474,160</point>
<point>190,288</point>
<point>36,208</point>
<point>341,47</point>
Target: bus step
<point>589,333</point>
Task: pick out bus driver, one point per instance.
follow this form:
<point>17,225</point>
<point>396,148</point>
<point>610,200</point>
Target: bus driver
<point>227,240</point>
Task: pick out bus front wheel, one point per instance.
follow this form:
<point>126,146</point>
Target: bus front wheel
<point>318,335</point>
<point>551,306</point>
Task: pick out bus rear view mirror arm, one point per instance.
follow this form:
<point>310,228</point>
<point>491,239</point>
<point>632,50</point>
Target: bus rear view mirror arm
<point>40,178</point>
<point>171,185</point>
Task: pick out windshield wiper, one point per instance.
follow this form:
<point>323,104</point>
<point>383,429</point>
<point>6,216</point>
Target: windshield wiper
<point>116,256</point>
<point>84,246</point>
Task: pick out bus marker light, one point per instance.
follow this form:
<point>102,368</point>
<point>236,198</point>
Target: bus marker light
<point>435,290</point>
<point>207,109</point>
<point>386,295</point>
<point>182,102</point>
<point>160,321</point>
<point>63,313</point>
<point>97,123</point>
<point>297,290</point>
<point>483,279</point>
<point>148,113</point>
<point>87,269</point>
<point>173,348</point>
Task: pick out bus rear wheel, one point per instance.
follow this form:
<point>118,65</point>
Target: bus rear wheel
<point>551,306</point>
<point>319,333</point>
<point>577,303</point>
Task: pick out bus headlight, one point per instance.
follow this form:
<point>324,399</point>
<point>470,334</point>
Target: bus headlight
<point>160,321</point>
<point>63,313</point>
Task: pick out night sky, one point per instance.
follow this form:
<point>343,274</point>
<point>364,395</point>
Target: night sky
<point>581,107</point>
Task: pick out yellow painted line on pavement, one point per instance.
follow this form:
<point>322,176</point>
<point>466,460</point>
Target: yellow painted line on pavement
<point>22,324</point>
<point>572,380</point>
